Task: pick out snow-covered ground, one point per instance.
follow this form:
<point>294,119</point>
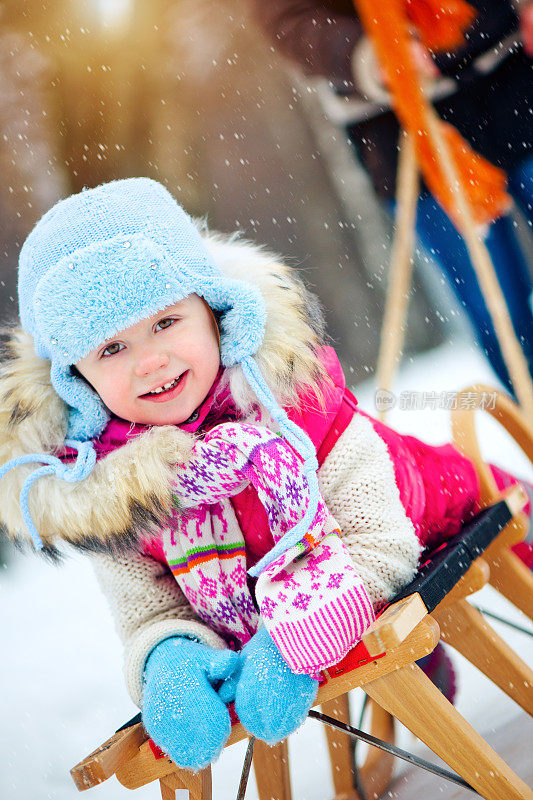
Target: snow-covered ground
<point>60,672</point>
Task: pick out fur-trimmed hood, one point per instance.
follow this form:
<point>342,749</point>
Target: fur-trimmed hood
<point>128,493</point>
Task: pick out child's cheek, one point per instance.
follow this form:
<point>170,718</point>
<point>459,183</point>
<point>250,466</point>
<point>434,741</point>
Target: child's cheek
<point>203,353</point>
<point>116,392</point>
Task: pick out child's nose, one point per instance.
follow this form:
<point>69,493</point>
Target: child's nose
<point>151,362</point>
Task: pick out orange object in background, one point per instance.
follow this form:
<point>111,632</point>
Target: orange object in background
<point>439,23</point>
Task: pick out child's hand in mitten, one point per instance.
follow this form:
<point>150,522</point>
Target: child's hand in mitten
<point>270,700</point>
<point>182,711</point>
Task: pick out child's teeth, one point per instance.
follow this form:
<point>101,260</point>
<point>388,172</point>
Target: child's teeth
<point>165,387</point>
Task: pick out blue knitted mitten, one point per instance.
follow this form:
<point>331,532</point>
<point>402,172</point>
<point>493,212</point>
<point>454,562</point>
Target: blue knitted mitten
<point>182,711</point>
<point>271,701</point>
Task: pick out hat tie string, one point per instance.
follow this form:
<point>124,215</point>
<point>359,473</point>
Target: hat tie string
<point>52,465</point>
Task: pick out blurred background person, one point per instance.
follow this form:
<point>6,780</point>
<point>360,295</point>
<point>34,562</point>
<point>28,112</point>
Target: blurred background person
<point>484,88</point>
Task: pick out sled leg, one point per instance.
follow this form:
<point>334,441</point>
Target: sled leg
<point>410,696</point>
<point>465,628</point>
<point>271,768</point>
<point>198,784</point>
<point>376,772</point>
<point>514,580</point>
<point>167,792</point>
<point>340,749</point>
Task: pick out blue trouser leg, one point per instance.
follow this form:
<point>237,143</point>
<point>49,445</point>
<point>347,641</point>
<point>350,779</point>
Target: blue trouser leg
<point>438,235</point>
<point>521,187</point>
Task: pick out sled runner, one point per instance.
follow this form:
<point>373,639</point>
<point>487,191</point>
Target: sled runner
<point>383,665</point>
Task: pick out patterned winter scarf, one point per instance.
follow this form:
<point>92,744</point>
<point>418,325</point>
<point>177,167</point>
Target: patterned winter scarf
<point>310,599</point>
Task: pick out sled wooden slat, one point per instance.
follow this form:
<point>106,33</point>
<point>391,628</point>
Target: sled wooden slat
<point>143,768</point>
<point>376,771</point>
<point>271,768</point>
<point>394,624</point>
<point>513,579</point>
<point>416,702</point>
<point>420,642</point>
<point>106,759</point>
<point>198,784</point>
<point>459,624</point>
<point>340,756</point>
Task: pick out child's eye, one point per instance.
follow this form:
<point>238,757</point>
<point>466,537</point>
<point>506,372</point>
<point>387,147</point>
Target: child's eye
<point>164,323</point>
<point>112,349</point>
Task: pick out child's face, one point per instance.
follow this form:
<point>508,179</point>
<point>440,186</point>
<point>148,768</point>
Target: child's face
<point>177,346</point>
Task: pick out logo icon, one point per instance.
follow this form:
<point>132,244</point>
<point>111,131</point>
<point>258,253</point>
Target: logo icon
<point>384,400</point>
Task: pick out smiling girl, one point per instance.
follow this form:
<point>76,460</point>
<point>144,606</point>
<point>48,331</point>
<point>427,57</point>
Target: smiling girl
<point>175,392</point>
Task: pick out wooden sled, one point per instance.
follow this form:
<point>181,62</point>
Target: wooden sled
<point>383,665</point>
<point>461,625</point>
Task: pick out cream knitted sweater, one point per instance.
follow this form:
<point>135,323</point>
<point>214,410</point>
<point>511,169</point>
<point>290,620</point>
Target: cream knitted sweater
<point>358,484</point>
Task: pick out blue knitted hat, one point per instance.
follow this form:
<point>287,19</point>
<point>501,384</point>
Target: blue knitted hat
<point>108,257</point>
<point>104,259</point>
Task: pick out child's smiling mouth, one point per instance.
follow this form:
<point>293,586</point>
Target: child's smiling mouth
<point>167,391</point>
